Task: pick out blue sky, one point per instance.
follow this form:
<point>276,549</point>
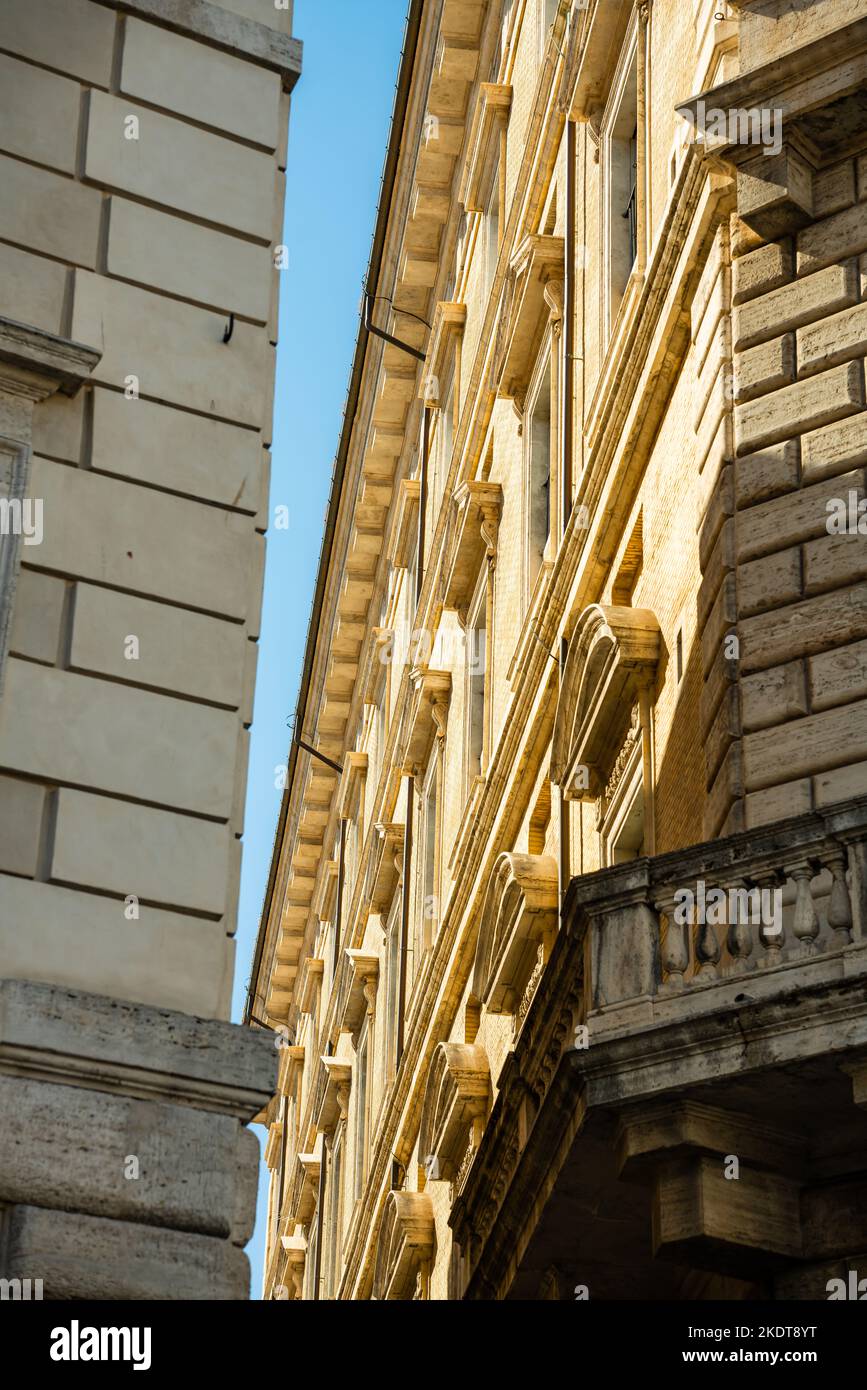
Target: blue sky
<point>337,135</point>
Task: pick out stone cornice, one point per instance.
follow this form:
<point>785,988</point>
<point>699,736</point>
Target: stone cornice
<point>42,362</point>
<point>220,28</point>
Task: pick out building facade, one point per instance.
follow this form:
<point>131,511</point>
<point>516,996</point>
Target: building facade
<point>564,936</point>
<point>142,178</point>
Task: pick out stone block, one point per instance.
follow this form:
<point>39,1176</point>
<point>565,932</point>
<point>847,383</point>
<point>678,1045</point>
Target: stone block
<point>720,562</point>
<point>834,188</point>
<point>178,166</point>
<point>177,451</point>
<point>21,810</point>
<point>765,368</point>
<point>718,304</point>
<point>834,340</point>
<point>806,746</point>
<point>33,288</point>
<point>38,114</point>
<point>179,651</point>
<point>246,1187</point>
<point>179,862</point>
<point>793,305</point>
<point>768,473</point>
<point>834,561</point>
<point>164,959</point>
<point>722,619</point>
<point>70,1146</point>
<point>724,728</point>
<point>48,213</point>
<point>778,803</point>
<point>798,516</point>
<point>802,629</point>
<point>176,351</point>
<point>769,582</point>
<point>214,88</point>
<point>835,448</point>
<point>89,1257</point>
<point>714,266</point>
<point>128,742</point>
<point>37,616</point>
<point>75,36</point>
<point>771,697</point>
<point>766,268</point>
<point>112,532</point>
<point>838,676</point>
<point>841,784</point>
<point>158,250</point>
<point>58,422</point>
<point>833,240</point>
<point>809,404</point>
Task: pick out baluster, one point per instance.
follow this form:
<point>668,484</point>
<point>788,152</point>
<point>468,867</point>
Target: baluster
<point>806,923</point>
<point>740,932</point>
<point>771,934</point>
<point>839,903</point>
<point>707,950</point>
<point>675,951</point>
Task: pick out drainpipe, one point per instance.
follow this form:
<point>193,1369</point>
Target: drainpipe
<point>338,910</point>
<point>422,502</point>
<point>404,915</point>
<point>563,816</point>
<point>568,331</point>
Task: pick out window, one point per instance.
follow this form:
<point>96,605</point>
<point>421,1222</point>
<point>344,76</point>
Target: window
<point>392,986</point>
<point>443,444</point>
<point>427,882</point>
<point>360,1159</point>
<point>538,437</point>
<point>491,231</point>
<point>621,175</point>
<point>476,660</point>
<point>334,1225</point>
<point>547,15</point>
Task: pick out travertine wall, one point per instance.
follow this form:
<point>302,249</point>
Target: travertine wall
<point>142,184</point>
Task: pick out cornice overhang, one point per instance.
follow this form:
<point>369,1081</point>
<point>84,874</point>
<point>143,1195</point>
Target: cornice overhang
<point>612,653</point>
<point>305,1186</point>
<point>474,523</point>
<point>354,774</point>
<point>538,262</point>
<point>40,363</point>
<point>314,969</point>
<point>798,84</point>
<point>489,118</point>
<point>519,912</point>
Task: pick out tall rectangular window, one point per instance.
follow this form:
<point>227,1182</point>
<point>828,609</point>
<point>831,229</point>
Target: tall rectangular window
<point>334,1228</point>
<point>621,174</point>
<point>477,641</point>
<point>360,1157</point>
<point>539,470</point>
<point>491,230</point>
<point>392,986</point>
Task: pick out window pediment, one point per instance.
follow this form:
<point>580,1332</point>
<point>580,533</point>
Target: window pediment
<point>457,1092</point>
<point>386,865</point>
<point>428,707</point>
<point>360,972</point>
<point>490,117</point>
<point>612,654</point>
<point>473,527</point>
<point>405,533</point>
<point>537,265</point>
<point>374,664</point>
<point>448,324</point>
<point>406,1242</point>
<point>305,1187</point>
<point>519,910</point>
<point>332,1093</point>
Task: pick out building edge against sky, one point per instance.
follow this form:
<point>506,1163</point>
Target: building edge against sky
<point>586,638</point>
<point>143,152</point>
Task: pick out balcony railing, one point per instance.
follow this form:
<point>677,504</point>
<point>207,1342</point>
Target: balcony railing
<point>713,916</point>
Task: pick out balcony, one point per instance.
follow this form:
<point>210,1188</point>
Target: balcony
<point>684,1114</point>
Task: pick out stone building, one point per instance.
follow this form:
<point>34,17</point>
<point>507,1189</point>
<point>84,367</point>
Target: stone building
<point>142,159</point>
<point>566,928</point>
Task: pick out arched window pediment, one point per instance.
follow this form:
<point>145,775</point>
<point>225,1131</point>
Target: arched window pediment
<point>457,1092</point>
<point>613,653</point>
<point>406,1241</point>
<point>519,910</point>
